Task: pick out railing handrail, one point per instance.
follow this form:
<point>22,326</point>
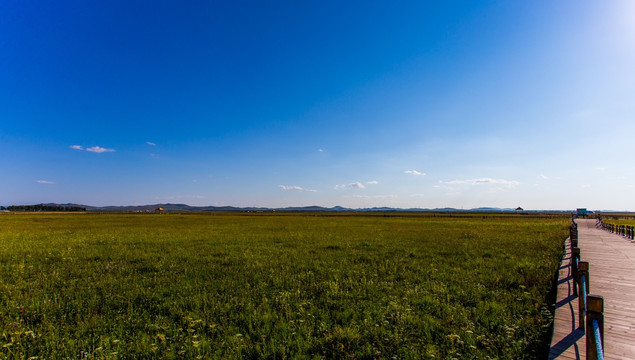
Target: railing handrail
<point>584,293</point>
<point>598,340</point>
<point>591,307</point>
<point>627,231</point>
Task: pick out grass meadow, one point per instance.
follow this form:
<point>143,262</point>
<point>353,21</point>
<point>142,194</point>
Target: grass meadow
<point>239,286</point>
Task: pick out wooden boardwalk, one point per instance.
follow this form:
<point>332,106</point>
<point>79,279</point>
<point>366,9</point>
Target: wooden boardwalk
<point>611,275</point>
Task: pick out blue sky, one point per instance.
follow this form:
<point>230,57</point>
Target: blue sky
<point>286,103</point>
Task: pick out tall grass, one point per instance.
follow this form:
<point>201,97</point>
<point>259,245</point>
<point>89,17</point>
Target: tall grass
<point>305,286</point>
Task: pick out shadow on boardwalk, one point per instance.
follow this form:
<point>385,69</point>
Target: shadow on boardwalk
<point>565,343</point>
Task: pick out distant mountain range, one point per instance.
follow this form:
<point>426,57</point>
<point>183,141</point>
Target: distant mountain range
<point>187,208</point>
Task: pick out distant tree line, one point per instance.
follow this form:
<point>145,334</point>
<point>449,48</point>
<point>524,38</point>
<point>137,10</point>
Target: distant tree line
<point>43,207</point>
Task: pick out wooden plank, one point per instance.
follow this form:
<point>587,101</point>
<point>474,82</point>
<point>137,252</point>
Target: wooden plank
<point>611,260</point>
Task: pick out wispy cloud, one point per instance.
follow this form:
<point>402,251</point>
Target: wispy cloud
<point>99,149</point>
<point>151,143</point>
<point>320,150</point>
<point>417,195</point>
<point>296,188</point>
<point>414,172</point>
<point>543,177</point>
<point>374,182</point>
<point>355,185</point>
<point>45,182</point>
<point>484,181</point>
<point>95,149</point>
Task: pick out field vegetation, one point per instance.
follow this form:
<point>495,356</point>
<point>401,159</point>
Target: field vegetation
<point>238,286</point>
<point>618,222</point>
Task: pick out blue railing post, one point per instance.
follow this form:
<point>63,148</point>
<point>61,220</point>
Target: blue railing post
<point>583,290</point>
<point>595,326</point>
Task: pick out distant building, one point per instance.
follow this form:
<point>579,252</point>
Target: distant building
<point>519,209</point>
<point>159,210</point>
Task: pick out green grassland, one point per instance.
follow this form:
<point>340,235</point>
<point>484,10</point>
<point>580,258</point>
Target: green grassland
<point>227,286</point>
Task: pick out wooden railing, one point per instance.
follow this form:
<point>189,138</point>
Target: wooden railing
<point>624,230</point>
<point>591,307</point>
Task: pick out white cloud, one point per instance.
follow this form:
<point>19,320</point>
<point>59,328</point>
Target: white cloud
<point>484,181</point>
<point>374,182</point>
<point>45,182</point>
<point>99,149</point>
<point>357,184</point>
<point>321,150</point>
<point>95,149</point>
<point>417,195</point>
<point>543,177</point>
<point>415,173</point>
<point>290,187</point>
<point>296,188</point>
<point>151,143</point>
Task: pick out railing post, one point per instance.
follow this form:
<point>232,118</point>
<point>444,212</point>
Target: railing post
<point>583,290</point>
<point>575,258</point>
<point>595,311</point>
<point>573,235</point>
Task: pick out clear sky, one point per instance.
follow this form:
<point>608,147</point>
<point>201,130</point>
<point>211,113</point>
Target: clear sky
<point>292,103</point>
